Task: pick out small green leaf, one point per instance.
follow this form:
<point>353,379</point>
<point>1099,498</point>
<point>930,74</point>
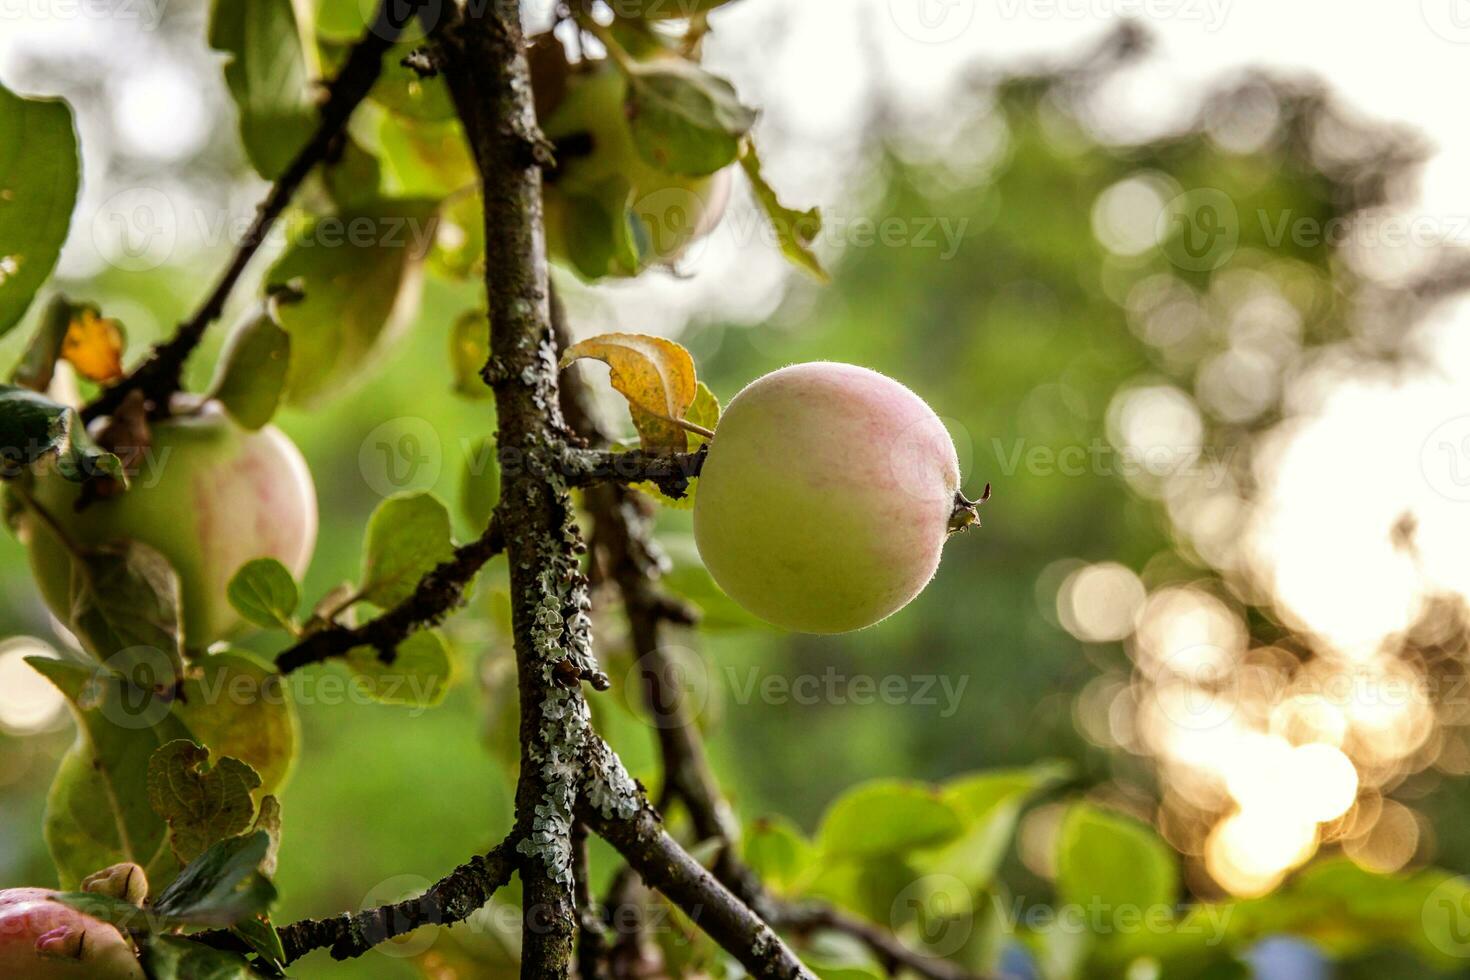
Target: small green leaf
<point>97,813</point>
<point>406,537</point>
<point>261,936</point>
<point>795,230</point>
<point>223,885</point>
<point>684,120</point>
<point>267,77</point>
<point>1105,857</point>
<point>705,411</point>
<point>887,817</point>
<point>777,851</point>
<point>264,592</point>
<point>201,804</point>
<point>39,172</point>
<point>419,675</point>
<point>38,364</point>
<point>125,611</point>
<point>469,349</point>
<point>480,486</point>
<point>105,908</point>
<point>32,427</point>
<point>600,231</point>
<point>361,276</point>
<point>177,958</point>
<point>252,371</point>
<point>240,707</point>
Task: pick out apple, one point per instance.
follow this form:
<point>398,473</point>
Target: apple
<point>44,940</point>
<point>826,497</point>
<point>208,495</point>
<point>595,145</point>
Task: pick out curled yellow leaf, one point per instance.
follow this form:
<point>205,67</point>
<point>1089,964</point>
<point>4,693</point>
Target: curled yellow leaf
<point>94,346</point>
<point>657,378</point>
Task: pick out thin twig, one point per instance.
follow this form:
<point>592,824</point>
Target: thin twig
<point>671,472</point>
<point>816,916</point>
<point>453,898</point>
<point>436,595</point>
<point>158,375</point>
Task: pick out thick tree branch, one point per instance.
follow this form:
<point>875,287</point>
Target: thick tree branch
<point>158,375</point>
<point>452,899</point>
<point>436,595</point>
<point>612,805</point>
<point>483,55</point>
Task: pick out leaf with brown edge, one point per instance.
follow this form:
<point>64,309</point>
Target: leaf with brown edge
<point>202,804</point>
<point>94,345</point>
<point>795,230</point>
<point>655,375</point>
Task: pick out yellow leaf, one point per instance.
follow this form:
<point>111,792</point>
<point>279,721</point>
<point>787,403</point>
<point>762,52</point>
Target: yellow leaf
<point>655,375</point>
<point>94,346</point>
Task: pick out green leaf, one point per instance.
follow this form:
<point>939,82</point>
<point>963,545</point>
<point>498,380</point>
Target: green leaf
<point>419,675</point>
<point>795,230</point>
<point>990,805</point>
<point>887,817</point>
<point>124,915</point>
<point>177,958</point>
<point>361,276</point>
<point>39,172</point>
<point>38,364</point>
<point>264,592</point>
<point>261,936</point>
<point>97,813</point>
<point>1105,858</point>
<point>779,853</point>
<point>469,349</point>
<point>202,804</point>
<point>600,231</point>
<point>240,707</point>
<point>223,885</point>
<point>125,611</point>
<point>406,537</point>
<point>355,179</point>
<point>422,158</point>
<point>480,485</point>
<point>684,120</point>
<point>267,77</point>
<point>251,377</point>
<point>705,411</point>
<point>32,427</point>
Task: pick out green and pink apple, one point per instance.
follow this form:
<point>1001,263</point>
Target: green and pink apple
<point>208,495</point>
<point>44,940</point>
<point>826,497</point>
<point>591,127</point>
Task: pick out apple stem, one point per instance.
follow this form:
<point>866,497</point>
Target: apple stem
<point>693,427</point>
<point>966,513</point>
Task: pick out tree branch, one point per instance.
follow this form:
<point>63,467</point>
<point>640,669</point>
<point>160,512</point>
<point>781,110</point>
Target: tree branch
<point>816,916</point>
<point>452,899</point>
<point>671,472</point>
<point>158,375</point>
<point>436,594</point>
<point>483,54</point>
